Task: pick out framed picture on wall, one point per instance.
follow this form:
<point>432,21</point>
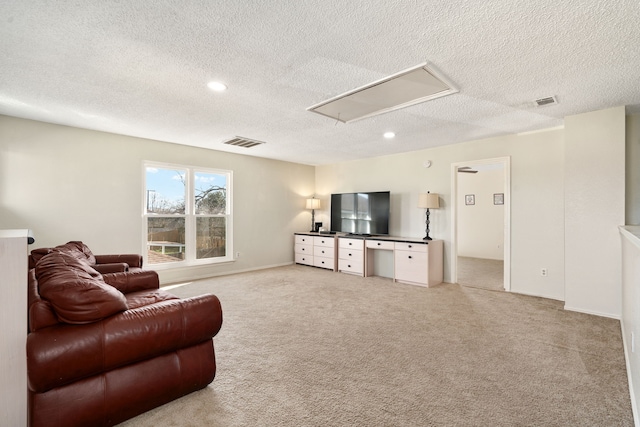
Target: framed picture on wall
<point>498,199</point>
<point>470,199</point>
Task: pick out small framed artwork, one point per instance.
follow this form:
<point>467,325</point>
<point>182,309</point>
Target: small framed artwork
<point>470,199</point>
<point>498,199</point>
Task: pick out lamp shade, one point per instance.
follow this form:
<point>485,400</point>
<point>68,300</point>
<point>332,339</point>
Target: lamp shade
<point>313,203</point>
<point>429,201</point>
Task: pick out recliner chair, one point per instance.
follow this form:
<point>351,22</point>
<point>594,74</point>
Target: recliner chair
<point>104,348</point>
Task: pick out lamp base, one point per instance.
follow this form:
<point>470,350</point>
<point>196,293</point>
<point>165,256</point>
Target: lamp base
<point>427,228</point>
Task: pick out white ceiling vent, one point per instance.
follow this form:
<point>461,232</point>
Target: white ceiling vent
<point>409,87</point>
<point>240,141</point>
<point>543,102</point>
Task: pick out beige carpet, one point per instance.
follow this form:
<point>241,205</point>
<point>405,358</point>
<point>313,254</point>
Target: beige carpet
<point>481,273</point>
<point>302,346</point>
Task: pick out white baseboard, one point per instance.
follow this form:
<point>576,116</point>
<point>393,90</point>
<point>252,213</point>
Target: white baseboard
<point>190,276</point>
<point>595,313</point>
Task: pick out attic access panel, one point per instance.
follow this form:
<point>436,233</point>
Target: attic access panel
<point>408,87</point>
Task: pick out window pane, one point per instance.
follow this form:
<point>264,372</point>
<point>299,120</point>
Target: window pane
<point>165,239</point>
<point>210,193</point>
<point>165,191</point>
<point>211,237</point>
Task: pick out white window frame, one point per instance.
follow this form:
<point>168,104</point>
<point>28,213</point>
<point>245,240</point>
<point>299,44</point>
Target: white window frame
<point>190,217</point>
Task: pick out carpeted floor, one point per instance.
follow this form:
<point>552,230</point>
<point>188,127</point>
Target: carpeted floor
<point>481,273</point>
<point>302,346</point>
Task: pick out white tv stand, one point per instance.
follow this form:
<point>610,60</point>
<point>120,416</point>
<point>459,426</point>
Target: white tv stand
<point>415,261</point>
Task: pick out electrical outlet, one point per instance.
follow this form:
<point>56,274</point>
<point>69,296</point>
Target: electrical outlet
<point>237,254</point>
<point>543,272</point>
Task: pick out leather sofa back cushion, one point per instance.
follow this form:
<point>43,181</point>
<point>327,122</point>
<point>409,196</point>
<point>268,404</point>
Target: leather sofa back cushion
<point>76,291</point>
<point>76,248</point>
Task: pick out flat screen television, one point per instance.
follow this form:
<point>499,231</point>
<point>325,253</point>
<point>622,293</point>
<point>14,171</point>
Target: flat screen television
<point>361,213</point>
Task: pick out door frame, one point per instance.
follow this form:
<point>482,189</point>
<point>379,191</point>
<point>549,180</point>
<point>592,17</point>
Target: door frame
<point>453,262</point>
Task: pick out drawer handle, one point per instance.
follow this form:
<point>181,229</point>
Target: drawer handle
<point>409,256</point>
<point>349,254</point>
<point>322,241</point>
<point>410,246</point>
<point>322,251</point>
<point>348,265</point>
<point>379,244</point>
<point>350,243</point>
<point>322,262</point>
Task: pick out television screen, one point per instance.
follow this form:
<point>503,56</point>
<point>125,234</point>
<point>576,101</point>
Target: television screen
<point>361,213</point>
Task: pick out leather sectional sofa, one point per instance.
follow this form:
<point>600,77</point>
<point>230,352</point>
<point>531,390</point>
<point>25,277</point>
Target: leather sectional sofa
<point>104,348</point>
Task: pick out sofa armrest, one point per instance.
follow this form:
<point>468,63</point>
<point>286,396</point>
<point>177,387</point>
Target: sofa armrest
<point>66,353</point>
<point>133,281</point>
<point>114,267</point>
<point>134,260</point>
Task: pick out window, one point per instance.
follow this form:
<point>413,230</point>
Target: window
<point>187,215</point>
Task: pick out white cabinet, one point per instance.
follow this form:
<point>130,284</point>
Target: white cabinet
<point>319,251</point>
<point>324,252</point>
<point>351,256</point>
<point>416,262</point>
<point>13,317</point>
<point>304,249</point>
<point>419,263</point>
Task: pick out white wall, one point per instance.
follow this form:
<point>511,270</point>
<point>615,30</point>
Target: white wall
<point>481,225</point>
<point>67,184</point>
<point>594,209</point>
<point>537,217</point>
<point>630,321</point>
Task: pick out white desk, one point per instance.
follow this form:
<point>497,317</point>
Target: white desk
<point>416,262</point>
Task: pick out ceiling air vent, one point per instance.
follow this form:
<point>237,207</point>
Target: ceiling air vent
<point>418,84</point>
<point>240,141</point>
<point>543,102</point>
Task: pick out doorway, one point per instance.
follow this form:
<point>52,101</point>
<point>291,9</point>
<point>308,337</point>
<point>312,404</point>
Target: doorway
<point>481,206</point>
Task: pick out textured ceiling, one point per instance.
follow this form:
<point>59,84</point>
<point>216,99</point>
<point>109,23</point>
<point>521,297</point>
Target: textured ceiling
<point>140,68</point>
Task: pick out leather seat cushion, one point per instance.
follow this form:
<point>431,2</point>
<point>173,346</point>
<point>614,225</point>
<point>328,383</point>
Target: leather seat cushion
<point>76,291</point>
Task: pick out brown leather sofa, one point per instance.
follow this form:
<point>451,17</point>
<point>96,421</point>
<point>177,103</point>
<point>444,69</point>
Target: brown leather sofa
<point>104,348</point>
<point>101,263</point>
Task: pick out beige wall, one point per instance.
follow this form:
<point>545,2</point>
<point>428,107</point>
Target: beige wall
<point>594,209</point>
<point>537,193</point>
<point>632,214</point>
<point>67,183</point>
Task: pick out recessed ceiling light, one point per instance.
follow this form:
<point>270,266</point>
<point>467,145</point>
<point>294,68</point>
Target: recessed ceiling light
<point>389,135</point>
<point>217,86</point>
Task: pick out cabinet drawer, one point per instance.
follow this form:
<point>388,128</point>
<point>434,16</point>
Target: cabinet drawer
<point>303,249</point>
<point>305,240</point>
<point>326,242</point>
<point>352,243</point>
<point>413,247</point>
<point>350,254</point>
<point>379,244</point>
<point>323,251</point>
<point>324,262</point>
<point>351,265</point>
<point>304,259</point>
